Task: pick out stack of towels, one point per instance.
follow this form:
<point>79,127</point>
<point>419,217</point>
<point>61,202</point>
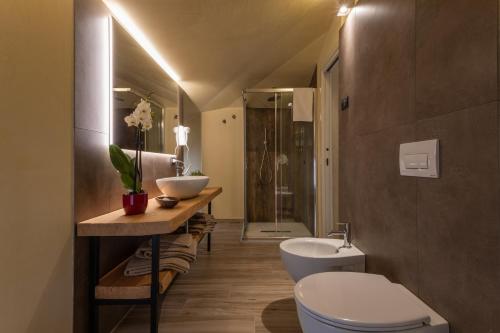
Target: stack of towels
<point>177,251</point>
<point>202,223</point>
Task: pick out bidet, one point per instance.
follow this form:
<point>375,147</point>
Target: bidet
<point>306,256</point>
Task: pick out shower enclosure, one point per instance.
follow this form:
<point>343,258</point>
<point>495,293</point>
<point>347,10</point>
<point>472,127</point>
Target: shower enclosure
<point>279,167</point>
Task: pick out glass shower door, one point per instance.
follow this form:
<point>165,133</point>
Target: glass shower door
<point>277,196</point>
<point>284,184</point>
<point>260,174</point>
<point>294,172</point>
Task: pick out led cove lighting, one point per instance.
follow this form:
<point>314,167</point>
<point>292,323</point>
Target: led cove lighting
<point>343,11</point>
<point>111,93</point>
<point>128,24</point>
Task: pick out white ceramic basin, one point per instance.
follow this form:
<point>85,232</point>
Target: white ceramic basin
<point>184,187</point>
<point>306,256</point>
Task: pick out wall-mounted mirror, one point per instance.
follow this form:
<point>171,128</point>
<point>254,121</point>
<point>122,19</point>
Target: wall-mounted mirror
<point>136,76</point>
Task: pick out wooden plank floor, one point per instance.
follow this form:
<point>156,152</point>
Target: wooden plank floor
<point>238,287</point>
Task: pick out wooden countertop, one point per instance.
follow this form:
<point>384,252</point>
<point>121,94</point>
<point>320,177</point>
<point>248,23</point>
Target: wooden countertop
<point>155,220</point>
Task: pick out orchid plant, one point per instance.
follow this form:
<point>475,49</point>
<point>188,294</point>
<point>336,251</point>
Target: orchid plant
<point>131,168</point>
<point>141,117</point>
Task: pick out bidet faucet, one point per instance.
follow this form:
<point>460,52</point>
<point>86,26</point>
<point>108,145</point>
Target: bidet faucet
<point>179,167</point>
<point>346,233</point>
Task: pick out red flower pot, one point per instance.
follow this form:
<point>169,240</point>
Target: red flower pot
<point>135,203</point>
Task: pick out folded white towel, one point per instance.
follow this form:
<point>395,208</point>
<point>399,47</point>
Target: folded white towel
<point>303,102</point>
<point>184,240</point>
<point>202,218</point>
<point>202,223</point>
<point>201,228</point>
<point>137,266</point>
<point>145,251</point>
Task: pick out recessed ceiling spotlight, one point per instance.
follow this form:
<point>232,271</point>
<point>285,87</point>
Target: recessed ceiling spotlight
<point>129,25</point>
<point>343,11</point>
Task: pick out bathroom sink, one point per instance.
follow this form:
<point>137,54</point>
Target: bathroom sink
<point>184,187</point>
<point>306,256</point>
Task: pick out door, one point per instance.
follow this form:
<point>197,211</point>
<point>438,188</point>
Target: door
<point>329,148</point>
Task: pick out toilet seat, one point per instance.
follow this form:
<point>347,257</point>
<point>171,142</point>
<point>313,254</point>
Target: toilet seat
<point>357,328</point>
<point>359,302</point>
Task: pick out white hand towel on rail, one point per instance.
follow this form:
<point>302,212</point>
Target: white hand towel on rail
<point>303,104</point>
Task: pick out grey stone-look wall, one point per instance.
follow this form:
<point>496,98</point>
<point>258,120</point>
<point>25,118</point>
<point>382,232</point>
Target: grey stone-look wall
<point>417,70</point>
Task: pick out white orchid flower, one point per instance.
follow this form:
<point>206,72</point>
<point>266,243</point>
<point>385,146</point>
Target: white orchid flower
<point>141,118</point>
<point>147,123</point>
<point>131,120</point>
<point>143,108</point>
<point>142,115</point>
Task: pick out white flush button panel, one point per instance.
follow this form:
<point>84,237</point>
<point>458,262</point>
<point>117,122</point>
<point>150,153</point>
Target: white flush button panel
<point>416,161</point>
<point>419,159</point>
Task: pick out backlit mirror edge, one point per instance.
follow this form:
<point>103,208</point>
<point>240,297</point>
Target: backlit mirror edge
<point>180,112</point>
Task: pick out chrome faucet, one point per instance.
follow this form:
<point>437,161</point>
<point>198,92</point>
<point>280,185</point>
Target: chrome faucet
<point>179,167</point>
<point>346,233</point>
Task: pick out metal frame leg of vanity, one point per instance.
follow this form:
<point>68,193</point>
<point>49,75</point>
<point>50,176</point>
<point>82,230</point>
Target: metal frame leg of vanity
<point>209,236</point>
<point>153,301</point>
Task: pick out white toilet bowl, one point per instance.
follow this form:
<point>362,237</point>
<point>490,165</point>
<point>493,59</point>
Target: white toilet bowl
<point>346,302</point>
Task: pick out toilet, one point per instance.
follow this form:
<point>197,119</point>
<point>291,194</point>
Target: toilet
<point>348,302</point>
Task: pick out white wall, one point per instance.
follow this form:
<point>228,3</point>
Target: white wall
<point>223,159</point>
<point>192,119</point>
<point>36,140</point>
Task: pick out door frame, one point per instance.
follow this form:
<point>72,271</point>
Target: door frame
<point>328,147</point>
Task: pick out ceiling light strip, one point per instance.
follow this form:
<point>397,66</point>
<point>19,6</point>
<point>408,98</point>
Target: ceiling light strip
<point>129,25</point>
<point>343,11</point>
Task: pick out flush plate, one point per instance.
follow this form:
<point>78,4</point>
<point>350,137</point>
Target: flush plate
<point>419,159</point>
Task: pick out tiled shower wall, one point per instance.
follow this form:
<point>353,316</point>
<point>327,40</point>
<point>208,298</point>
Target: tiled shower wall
<point>417,70</point>
<point>98,189</point>
<point>260,195</point>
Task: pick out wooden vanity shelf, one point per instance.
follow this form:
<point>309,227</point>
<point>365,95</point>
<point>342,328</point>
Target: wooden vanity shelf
<point>155,221</point>
<point>115,285</point>
<point>115,288</point>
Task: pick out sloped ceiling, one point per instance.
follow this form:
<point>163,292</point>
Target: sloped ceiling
<point>219,47</point>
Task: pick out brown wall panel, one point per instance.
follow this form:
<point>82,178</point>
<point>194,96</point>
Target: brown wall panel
<point>456,52</point>
<point>439,237</point>
<point>347,70</point>
<point>384,206</point>
<point>384,79</point>
<point>458,220</point>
